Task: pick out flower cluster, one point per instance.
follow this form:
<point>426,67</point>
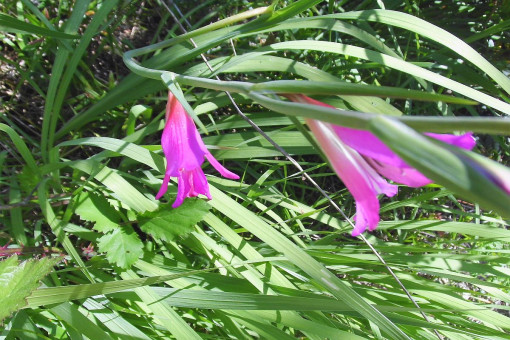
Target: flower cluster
<point>359,158</point>
<point>185,152</point>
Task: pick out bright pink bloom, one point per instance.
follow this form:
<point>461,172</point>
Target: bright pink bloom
<point>359,158</point>
<point>184,152</point>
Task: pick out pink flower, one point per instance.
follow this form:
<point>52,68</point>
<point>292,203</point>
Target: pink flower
<point>184,152</point>
<point>359,158</point>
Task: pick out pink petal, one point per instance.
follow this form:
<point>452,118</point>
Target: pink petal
<point>366,216</point>
<point>362,141</point>
<point>180,140</point>
<point>358,176</point>
<point>369,145</point>
<point>220,168</point>
<point>164,186</point>
<point>464,141</point>
<point>191,184</point>
<point>408,176</point>
<point>184,152</point>
<point>381,157</point>
<point>200,184</point>
<point>183,188</point>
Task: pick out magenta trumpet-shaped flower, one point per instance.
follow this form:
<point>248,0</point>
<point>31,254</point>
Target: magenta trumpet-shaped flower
<point>184,152</point>
<point>359,158</point>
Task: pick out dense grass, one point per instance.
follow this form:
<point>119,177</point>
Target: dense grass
<point>269,256</point>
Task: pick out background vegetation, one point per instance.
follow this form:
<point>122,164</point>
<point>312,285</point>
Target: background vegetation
<point>268,257</point>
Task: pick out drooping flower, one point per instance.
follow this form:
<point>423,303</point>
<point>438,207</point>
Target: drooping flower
<point>359,158</point>
<point>184,152</point>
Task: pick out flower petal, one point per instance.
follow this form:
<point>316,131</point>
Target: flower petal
<point>358,176</point>
<point>367,215</point>
<point>220,168</point>
<point>404,175</point>
<point>183,188</point>
<point>464,141</point>
<point>191,184</point>
<point>200,184</point>
<point>367,144</point>
<point>361,174</point>
<point>362,141</point>
<point>180,140</point>
<point>164,186</point>
<point>184,152</point>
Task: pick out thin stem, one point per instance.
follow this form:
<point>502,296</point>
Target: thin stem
<point>214,84</point>
<point>352,119</point>
<point>347,118</point>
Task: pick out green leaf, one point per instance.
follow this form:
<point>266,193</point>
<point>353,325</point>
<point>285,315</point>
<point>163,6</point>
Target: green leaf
<point>122,247</point>
<point>344,88</point>
<point>22,148</point>
<point>134,113</point>
<point>10,24</point>
<point>28,179</point>
<point>51,295</point>
<point>169,223</point>
<point>430,31</point>
<point>18,281</point>
<point>95,208</point>
<point>394,63</point>
<point>121,188</point>
<point>298,257</point>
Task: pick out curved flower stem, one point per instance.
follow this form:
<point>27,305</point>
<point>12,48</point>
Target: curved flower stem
<point>360,120</point>
<point>351,119</point>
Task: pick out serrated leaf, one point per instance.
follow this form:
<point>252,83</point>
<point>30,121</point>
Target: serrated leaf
<point>18,281</point>
<point>169,223</point>
<point>95,208</point>
<point>122,246</point>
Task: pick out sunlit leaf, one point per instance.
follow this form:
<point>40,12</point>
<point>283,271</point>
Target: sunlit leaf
<point>18,280</point>
<point>95,208</point>
<point>168,223</point>
<point>122,246</point>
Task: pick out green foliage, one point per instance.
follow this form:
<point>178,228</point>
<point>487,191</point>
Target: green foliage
<point>166,224</point>
<point>267,257</point>
<point>95,208</point>
<point>122,246</point>
<point>10,24</point>
<point>19,279</point>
